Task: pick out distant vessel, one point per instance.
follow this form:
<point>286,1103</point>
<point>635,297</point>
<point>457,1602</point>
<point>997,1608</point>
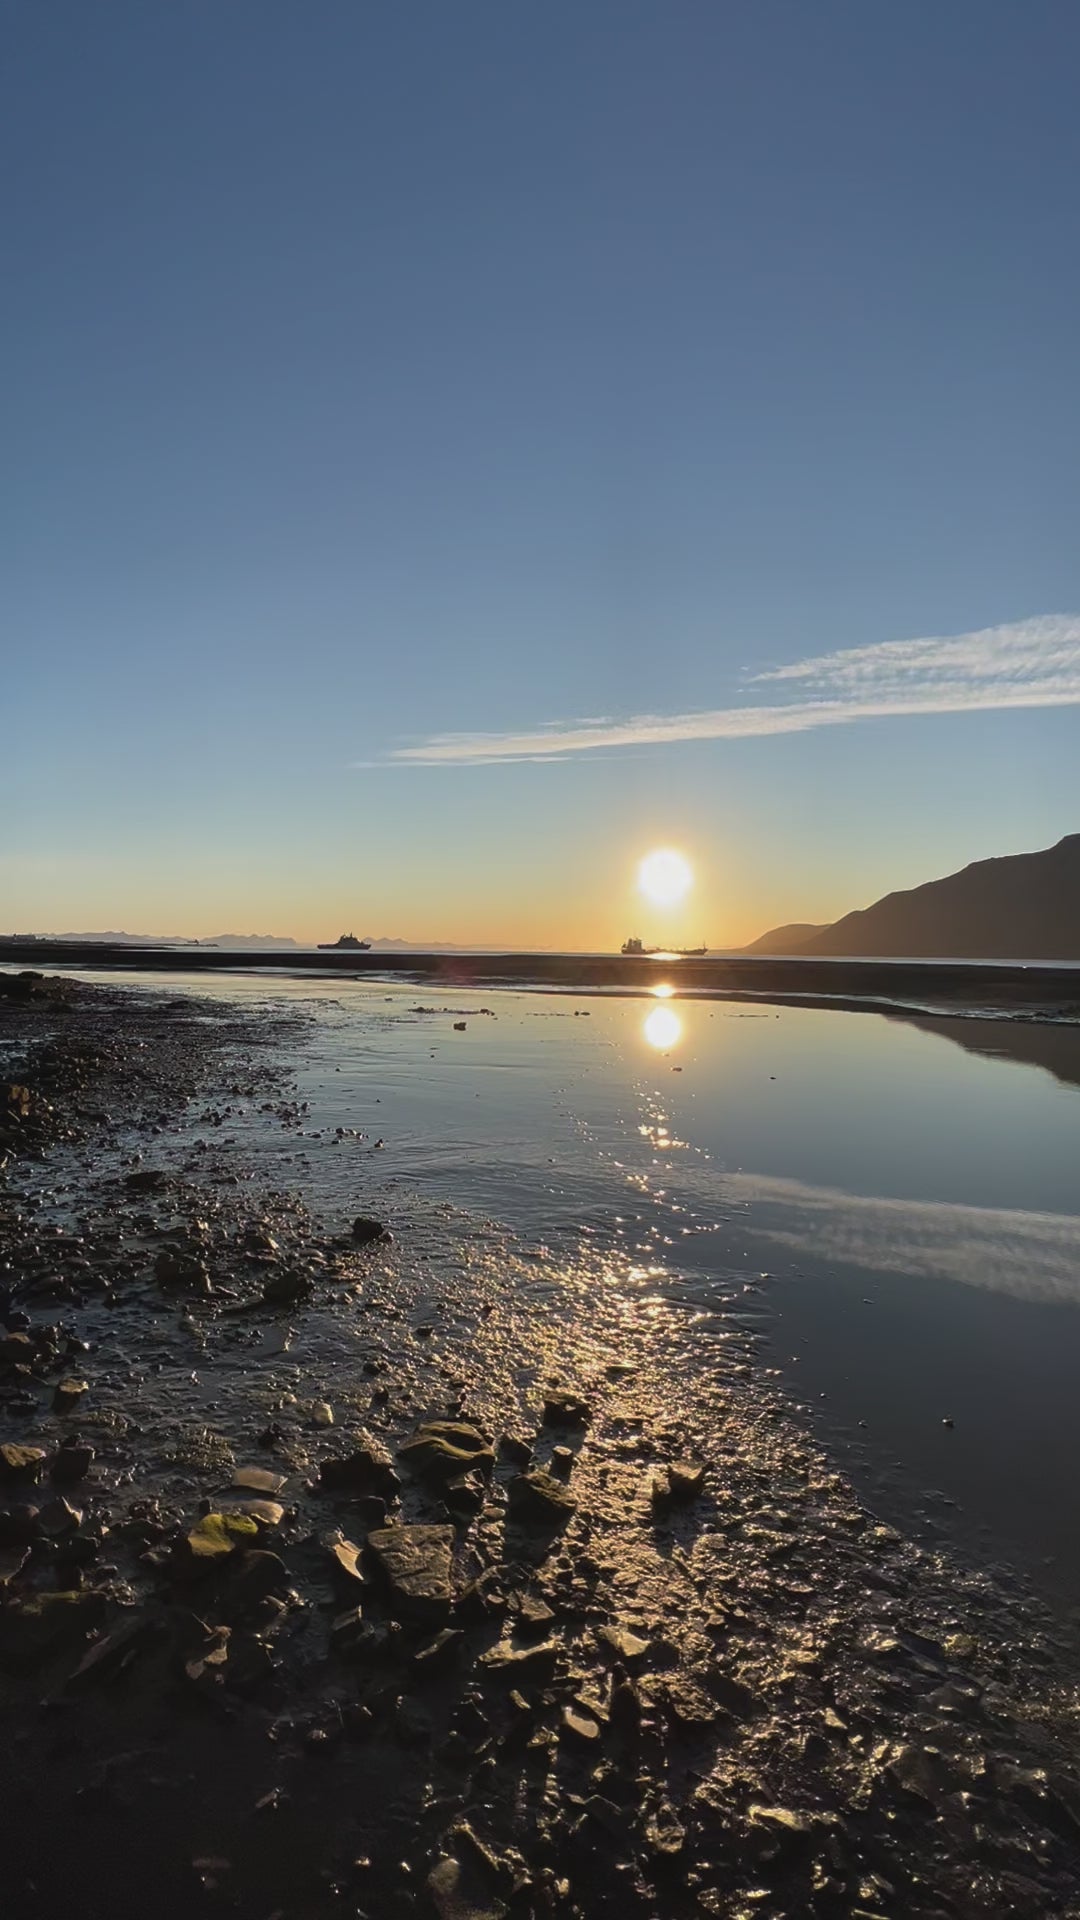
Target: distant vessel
<point>347,940</point>
<point>634,950</point>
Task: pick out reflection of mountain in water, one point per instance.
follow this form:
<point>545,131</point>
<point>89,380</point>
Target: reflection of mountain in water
<point>1032,1043</point>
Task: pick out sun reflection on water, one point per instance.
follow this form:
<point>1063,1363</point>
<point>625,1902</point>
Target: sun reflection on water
<point>663,1029</point>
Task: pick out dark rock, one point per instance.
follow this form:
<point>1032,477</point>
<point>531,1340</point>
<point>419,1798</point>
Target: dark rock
<point>12,1562</point>
<point>415,1563</point>
<point>437,1656</point>
<point>562,1409</point>
<point>534,1616</point>
<point>68,1394</point>
<point>177,1267</point>
<point>115,1652</point>
<point>34,1628</point>
<point>562,1462</point>
<point>71,1462</point>
<point>664,1831</point>
<point>538,1499</point>
<point>251,1579</point>
<point>624,1708</point>
<point>512,1447</point>
<point>685,1479</point>
<point>368,1470</point>
<point>285,1286</point>
<point>58,1517</point>
<point>145,1180</point>
<point>483,1599</point>
<point>465,1495</point>
<point>366,1231</point>
<point>16,1350</point>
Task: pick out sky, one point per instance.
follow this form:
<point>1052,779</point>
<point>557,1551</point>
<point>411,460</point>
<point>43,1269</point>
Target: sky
<point>452,450</point>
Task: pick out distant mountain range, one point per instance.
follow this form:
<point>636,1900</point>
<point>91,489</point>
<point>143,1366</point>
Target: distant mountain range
<point>261,940</point>
<point>1025,906</point>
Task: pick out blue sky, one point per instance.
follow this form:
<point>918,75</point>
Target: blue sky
<point>390,391</point>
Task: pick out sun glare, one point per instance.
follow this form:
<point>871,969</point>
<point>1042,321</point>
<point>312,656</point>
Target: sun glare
<point>663,1029</point>
<point>665,877</point>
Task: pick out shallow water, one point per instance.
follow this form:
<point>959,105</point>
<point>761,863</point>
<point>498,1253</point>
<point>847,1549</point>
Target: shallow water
<point>891,1207</point>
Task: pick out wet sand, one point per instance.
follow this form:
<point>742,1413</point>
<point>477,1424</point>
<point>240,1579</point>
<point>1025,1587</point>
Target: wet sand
<point>656,1659</point>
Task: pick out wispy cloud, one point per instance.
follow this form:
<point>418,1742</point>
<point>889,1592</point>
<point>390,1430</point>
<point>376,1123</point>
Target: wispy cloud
<point>1031,663</point>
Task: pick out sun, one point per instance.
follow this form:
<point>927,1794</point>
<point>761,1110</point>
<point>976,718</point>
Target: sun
<point>665,877</point>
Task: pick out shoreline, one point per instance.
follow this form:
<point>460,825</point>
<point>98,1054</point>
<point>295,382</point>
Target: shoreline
<point>1027,988</point>
<point>649,1703</point>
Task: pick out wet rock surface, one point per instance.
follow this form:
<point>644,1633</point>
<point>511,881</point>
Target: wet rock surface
<point>523,1628</point>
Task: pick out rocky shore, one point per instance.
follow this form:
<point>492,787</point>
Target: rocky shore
<point>339,1577</point>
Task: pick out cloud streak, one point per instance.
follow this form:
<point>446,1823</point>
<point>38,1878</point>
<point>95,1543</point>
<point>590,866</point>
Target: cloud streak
<point>1031,663</point>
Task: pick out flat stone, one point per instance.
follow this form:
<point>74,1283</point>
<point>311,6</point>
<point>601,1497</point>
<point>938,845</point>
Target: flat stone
<point>442,1450</point>
<point>266,1513</point>
<point>578,1725</point>
<point>626,1646</point>
<point>789,1823</point>
<point>218,1534</point>
<point>513,1447</point>
<point>258,1480</point>
<point>21,1463</point>
<point>415,1563</point>
<point>346,1559</point>
<point>538,1499</point>
<point>523,1666</point>
<point>17,1349</point>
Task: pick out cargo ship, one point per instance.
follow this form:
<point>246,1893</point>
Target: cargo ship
<point>634,950</point>
<point>345,942</point>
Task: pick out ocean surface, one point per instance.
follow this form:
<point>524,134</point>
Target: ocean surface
<point>888,1205</point>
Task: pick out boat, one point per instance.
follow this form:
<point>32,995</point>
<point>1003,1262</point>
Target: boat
<point>634,950</point>
<point>346,941</point>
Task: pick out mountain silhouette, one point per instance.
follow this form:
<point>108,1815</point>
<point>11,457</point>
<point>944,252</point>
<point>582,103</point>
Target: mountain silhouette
<point>1024,906</point>
<point>791,939</point>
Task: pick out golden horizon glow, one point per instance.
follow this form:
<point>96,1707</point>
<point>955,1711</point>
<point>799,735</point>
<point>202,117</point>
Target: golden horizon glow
<point>665,876</point>
<point>663,1029</point>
